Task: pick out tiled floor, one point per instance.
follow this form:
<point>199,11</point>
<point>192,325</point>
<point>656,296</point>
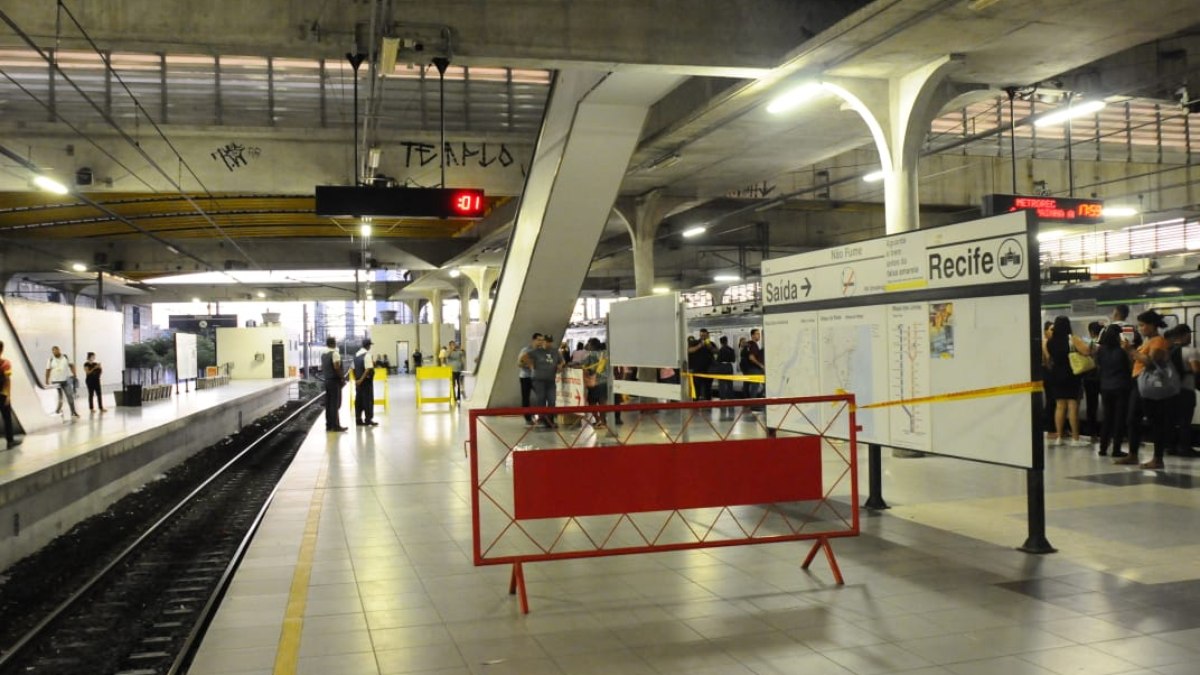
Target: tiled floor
<point>934,586</point>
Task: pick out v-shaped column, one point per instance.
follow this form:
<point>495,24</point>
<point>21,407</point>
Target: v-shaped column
<point>592,124</point>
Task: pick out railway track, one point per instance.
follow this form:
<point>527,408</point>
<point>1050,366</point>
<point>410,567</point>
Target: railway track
<point>144,612</point>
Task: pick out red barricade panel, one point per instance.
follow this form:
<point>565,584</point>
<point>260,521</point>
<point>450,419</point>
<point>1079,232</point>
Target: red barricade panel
<point>588,481</point>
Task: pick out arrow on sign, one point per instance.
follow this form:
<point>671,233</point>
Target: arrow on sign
<point>807,287</point>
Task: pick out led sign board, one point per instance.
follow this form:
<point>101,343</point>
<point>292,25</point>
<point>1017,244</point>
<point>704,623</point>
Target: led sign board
<point>1048,209</point>
<point>351,201</point>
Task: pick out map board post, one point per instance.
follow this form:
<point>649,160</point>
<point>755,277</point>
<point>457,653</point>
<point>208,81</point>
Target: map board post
<point>934,331</point>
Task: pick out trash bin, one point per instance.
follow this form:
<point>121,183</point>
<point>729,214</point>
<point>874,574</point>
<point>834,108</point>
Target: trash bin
<point>130,396</point>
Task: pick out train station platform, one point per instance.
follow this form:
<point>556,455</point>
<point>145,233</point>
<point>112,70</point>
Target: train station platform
<point>364,565</point>
<point>61,475</point>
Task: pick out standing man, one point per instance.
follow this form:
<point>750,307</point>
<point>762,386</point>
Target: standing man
<point>61,372</point>
<point>526,374</point>
<point>754,363</point>
<point>331,372</point>
<point>701,354</point>
<point>456,358</point>
<point>544,361</point>
<point>91,377</point>
<point>364,386</point>
<point>6,399</point>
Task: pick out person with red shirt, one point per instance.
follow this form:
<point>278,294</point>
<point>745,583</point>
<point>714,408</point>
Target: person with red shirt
<point>6,373</point>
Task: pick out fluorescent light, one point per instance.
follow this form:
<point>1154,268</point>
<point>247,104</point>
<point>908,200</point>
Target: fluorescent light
<point>1069,112</point>
<point>661,290</point>
<point>454,274</point>
<point>1119,211</point>
<point>79,267</point>
<point>694,231</point>
<point>665,161</point>
<point>874,176</point>
<point>794,98</point>
<point>365,229</point>
<point>1051,235</point>
<point>261,294</point>
<point>50,185</point>
<point>727,277</point>
<point>195,299</point>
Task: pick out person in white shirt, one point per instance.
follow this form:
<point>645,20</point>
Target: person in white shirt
<point>61,373</point>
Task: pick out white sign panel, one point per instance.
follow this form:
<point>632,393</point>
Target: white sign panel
<point>920,315</point>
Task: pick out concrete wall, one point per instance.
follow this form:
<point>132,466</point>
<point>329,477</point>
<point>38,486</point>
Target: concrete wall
<point>240,346</point>
<point>42,325</point>
<point>386,335</point>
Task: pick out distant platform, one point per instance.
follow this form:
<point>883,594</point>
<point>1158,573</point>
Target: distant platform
<point>59,476</point>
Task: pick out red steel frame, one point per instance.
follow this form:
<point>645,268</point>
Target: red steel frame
<point>480,422</point>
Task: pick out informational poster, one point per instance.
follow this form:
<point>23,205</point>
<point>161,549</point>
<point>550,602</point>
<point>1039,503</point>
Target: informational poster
<point>930,330</point>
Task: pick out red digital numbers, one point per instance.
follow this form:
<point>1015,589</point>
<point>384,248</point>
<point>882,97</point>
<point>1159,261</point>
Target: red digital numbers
<point>1091,210</point>
<point>467,203</point>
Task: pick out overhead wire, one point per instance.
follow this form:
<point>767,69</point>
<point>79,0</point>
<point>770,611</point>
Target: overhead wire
<point>138,104</point>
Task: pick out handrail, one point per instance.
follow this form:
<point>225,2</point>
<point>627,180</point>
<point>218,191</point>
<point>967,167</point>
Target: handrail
<point>20,347</point>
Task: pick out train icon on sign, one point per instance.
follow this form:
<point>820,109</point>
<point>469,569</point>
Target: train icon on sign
<point>1010,259</point>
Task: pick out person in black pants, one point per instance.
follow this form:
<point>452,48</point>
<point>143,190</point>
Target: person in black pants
<point>526,374</point>
<point>1115,382</point>
<point>91,376</point>
<point>6,399</point>
<point>1154,353</point>
<point>331,372</point>
<point>364,386</point>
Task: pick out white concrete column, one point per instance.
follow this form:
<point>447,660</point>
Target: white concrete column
<point>435,316</point>
<point>643,217</point>
<point>898,112</point>
<point>482,278</point>
<point>591,127</point>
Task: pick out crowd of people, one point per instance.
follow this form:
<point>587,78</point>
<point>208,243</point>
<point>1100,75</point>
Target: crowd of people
<point>1131,378</point>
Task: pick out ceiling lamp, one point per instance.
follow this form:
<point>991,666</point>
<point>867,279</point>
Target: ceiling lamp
<point>1119,211</point>
<point>661,290</point>
<point>1069,112</point>
<point>454,274</point>
<point>694,231</point>
<point>874,176</point>
<point>727,277</point>
<point>50,185</point>
<point>79,267</point>
<point>794,98</point>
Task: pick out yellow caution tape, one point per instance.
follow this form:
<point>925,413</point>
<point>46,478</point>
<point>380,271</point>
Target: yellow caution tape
<point>1004,390</point>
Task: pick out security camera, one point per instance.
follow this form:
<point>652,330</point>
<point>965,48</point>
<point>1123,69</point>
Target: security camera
<point>1192,105</point>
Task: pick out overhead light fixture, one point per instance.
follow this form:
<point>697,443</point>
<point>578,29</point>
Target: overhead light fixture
<point>667,160</point>
<point>50,185</point>
<point>374,155</point>
<point>79,267</point>
<point>661,290</point>
<point>1069,112</point>
<point>454,274</point>
<point>387,56</point>
<point>172,249</point>
<point>980,5</point>
<point>794,98</point>
<point>365,229</point>
<point>727,277</point>
<point>261,294</point>
<point>874,176</point>
<point>1119,211</point>
<point>195,299</point>
<point>694,231</point>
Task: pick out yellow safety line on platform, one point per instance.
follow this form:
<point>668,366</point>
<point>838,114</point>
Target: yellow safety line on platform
<point>1004,390</point>
<point>288,655</point>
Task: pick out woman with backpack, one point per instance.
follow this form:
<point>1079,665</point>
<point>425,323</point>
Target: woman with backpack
<point>1154,354</point>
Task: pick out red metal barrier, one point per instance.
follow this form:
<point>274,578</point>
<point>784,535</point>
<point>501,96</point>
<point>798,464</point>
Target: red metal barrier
<point>675,476</point>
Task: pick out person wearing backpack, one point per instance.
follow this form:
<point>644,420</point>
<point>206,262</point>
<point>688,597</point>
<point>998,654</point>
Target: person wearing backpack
<point>1154,354</point>
<point>1186,360</point>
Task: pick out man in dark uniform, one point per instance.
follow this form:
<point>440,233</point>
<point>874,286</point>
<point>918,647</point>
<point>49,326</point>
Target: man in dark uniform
<point>331,372</point>
<point>364,386</point>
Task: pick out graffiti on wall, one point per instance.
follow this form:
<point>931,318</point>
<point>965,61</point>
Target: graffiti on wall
<point>756,191</point>
<point>235,155</point>
<point>484,155</point>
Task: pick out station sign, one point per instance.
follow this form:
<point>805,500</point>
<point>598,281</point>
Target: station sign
<point>1048,209</point>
